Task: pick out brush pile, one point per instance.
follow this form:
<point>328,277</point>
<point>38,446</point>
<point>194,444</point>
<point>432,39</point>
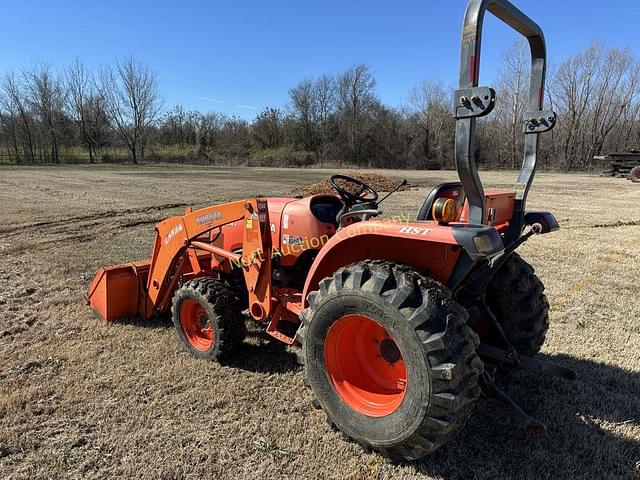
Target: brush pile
<point>380,183</point>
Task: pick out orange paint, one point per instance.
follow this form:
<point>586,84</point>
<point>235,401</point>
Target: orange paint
<point>365,366</point>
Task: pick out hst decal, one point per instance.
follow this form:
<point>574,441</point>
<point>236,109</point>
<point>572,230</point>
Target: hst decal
<point>415,230</point>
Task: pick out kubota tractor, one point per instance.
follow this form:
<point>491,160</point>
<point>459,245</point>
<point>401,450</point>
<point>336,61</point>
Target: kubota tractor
<point>402,324</point>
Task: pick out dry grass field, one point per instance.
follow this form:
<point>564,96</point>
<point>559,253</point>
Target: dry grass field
<point>83,399</point>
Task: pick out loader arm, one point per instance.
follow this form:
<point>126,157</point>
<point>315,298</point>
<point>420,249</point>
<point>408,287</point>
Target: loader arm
<point>146,288</point>
<point>172,239</point>
<point>176,242</point>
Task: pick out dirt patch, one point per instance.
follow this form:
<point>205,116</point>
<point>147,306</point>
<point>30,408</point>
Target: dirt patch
<point>377,181</point>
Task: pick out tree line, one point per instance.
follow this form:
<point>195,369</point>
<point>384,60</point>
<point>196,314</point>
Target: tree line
<point>79,114</point>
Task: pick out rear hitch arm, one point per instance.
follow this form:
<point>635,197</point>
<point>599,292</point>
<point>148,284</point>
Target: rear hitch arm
<point>495,393</point>
<point>531,364</point>
<point>511,353</point>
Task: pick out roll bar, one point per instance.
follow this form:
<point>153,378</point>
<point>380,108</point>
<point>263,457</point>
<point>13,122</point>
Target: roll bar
<point>472,101</point>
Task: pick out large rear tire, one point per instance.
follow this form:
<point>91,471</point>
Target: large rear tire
<point>208,319</point>
<point>516,297</point>
<point>634,174</point>
<point>389,358</point>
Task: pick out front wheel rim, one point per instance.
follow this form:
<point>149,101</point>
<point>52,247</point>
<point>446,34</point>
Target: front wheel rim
<point>365,366</point>
<point>196,325</point>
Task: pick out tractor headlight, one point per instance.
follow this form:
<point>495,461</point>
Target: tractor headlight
<point>488,243</point>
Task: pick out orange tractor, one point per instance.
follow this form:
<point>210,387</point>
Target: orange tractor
<point>402,324</point>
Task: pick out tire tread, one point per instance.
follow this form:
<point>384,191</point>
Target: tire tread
<point>229,322</point>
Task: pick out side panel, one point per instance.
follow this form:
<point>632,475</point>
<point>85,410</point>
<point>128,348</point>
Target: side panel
<point>230,236</point>
<point>499,205</point>
<point>299,231</point>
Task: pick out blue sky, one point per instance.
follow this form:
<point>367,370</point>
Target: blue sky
<point>240,56</point>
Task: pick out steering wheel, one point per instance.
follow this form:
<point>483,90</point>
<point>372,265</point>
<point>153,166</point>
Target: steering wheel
<point>362,193</point>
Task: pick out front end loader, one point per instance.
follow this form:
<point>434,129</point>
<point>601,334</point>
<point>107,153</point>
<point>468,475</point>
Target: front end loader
<point>402,323</point>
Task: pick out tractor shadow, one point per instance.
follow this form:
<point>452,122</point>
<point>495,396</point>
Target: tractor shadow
<point>160,322</point>
<point>592,426</point>
<point>261,353</point>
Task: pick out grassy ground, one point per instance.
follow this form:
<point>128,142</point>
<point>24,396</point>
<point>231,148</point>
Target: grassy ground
<point>82,399</point>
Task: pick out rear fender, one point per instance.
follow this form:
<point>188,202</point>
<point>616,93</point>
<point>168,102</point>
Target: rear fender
<point>426,246</point>
<point>546,220</point>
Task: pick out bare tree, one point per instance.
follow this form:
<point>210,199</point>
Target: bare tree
<point>429,102</point>
<point>235,136</point>
<point>356,96</point>
<point>617,90</point>
<point>592,91</point>
<point>16,104</point>
<point>513,86</point>
<point>627,132</point>
<point>179,126</point>
<point>45,95</point>
<point>8,127</point>
<point>267,128</point>
<point>210,130</point>
<point>132,102</point>
<point>86,106</point>
<point>304,110</point>
<point>325,98</point>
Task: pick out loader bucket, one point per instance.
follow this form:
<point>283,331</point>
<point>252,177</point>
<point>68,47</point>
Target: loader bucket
<point>120,291</point>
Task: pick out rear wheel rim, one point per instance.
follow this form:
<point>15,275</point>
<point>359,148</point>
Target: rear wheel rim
<point>196,325</point>
<point>365,366</point>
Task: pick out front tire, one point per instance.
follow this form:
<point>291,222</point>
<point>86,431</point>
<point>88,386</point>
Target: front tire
<point>207,318</point>
<point>390,359</point>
